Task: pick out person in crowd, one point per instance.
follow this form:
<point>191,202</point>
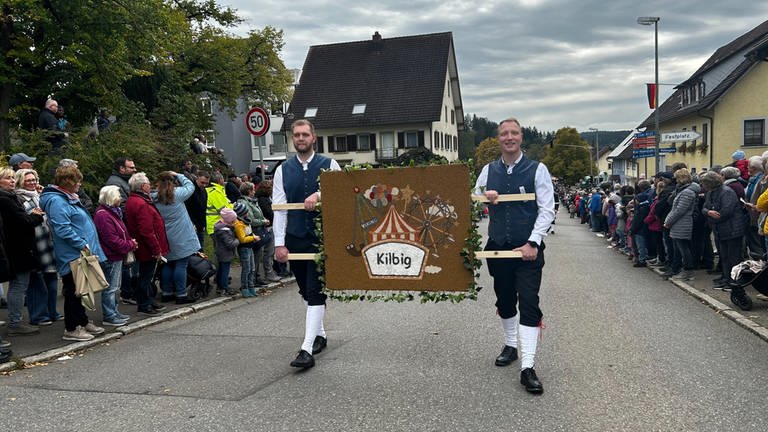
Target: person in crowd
<point>246,240</point>
<point>721,207</point>
<point>740,162</point>
<point>85,200</point>
<point>655,230</point>
<point>5,276</point>
<point>679,221</point>
<point>116,244</point>
<point>595,208</point>
<point>638,229</point>
<point>217,200</point>
<point>19,232</point>
<point>63,123</point>
<point>123,169</point>
<point>197,203</point>
<point>232,188</point>
<point>44,281</point>
<point>145,224</point>
<point>516,282</point>
<point>19,161</point>
<point>270,270</point>
<point>731,178</point>
<point>225,244</point>
<point>73,234</point>
<point>47,121</point>
<point>172,191</point>
<point>263,254</point>
<point>754,239</point>
<point>296,180</point>
<point>103,122</point>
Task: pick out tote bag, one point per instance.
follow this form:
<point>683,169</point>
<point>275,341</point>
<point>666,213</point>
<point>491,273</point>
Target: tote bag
<point>89,278</point>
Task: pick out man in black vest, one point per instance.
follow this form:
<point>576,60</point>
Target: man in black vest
<point>518,226</point>
<point>296,180</point>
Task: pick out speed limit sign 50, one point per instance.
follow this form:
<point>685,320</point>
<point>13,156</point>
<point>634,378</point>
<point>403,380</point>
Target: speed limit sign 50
<point>257,121</point>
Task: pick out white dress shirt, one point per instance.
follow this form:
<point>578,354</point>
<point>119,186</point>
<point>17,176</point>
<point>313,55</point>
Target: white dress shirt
<point>545,197</point>
<point>278,197</point>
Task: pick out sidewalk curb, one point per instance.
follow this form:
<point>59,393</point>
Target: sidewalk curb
<point>119,332</point>
<point>721,308</point>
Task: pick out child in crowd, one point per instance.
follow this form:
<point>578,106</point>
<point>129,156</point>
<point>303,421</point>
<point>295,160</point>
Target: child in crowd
<point>246,239</point>
<point>224,243</point>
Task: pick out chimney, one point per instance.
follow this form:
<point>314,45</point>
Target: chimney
<point>376,42</point>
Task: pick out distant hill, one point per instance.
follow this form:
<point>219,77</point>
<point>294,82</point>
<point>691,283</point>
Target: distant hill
<point>607,139</point>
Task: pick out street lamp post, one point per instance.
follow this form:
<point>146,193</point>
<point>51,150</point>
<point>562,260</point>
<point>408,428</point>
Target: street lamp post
<point>648,20</point>
<point>597,152</point>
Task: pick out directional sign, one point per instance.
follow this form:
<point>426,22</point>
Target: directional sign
<point>643,142</point>
<point>257,121</point>
<point>679,136</point>
<point>668,150</point>
<point>645,134</point>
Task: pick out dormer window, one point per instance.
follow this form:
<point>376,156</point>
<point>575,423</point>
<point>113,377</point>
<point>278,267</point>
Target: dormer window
<point>310,112</point>
<point>358,109</point>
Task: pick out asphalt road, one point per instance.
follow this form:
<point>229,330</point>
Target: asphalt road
<point>621,350</point>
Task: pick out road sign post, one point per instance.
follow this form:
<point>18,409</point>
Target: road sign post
<point>257,123</point>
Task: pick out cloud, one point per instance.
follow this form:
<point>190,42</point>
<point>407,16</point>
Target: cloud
<point>551,63</point>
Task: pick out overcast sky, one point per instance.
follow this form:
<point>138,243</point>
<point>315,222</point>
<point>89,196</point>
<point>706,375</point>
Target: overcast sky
<point>550,63</point>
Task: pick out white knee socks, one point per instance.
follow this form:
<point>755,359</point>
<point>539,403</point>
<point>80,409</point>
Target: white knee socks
<point>313,326</point>
<point>510,331</point>
<point>529,337</point>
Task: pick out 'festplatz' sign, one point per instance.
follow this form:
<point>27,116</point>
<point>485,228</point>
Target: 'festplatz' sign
<point>679,136</point>
<point>396,228</point>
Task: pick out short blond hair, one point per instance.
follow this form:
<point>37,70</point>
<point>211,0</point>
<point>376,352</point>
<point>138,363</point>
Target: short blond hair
<point>20,174</point>
<point>683,176</point>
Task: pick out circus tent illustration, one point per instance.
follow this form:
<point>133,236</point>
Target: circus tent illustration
<point>393,227</point>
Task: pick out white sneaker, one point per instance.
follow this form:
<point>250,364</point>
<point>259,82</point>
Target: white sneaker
<point>78,334</point>
<point>94,329</point>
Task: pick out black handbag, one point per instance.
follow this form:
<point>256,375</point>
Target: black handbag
<point>265,235</point>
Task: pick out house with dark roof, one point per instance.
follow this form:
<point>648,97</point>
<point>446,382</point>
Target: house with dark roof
<point>373,100</point>
<point>725,101</point>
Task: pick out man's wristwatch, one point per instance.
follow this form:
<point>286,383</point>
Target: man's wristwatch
<point>533,244</point>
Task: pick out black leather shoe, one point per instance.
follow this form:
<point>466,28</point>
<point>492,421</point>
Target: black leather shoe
<point>304,360</point>
<point>531,382</point>
<point>319,345</point>
<point>507,356</point>
<point>184,300</point>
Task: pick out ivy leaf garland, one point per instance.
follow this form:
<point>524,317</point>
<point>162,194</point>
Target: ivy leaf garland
<point>472,244</point>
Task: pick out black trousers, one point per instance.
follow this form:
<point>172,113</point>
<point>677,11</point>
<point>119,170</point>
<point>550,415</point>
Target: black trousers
<point>516,283</point>
<point>74,311</point>
<point>305,271</point>
<point>730,255</point>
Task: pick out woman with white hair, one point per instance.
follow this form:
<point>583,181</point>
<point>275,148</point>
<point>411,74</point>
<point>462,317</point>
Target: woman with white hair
<point>145,224</point>
<point>116,243</point>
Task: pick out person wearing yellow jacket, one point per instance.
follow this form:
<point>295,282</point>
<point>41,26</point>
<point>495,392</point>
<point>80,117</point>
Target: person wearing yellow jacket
<point>247,239</point>
<point>217,200</point>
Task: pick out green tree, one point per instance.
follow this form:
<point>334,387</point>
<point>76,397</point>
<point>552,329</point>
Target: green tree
<point>487,151</point>
<point>569,157</point>
<point>148,61</point>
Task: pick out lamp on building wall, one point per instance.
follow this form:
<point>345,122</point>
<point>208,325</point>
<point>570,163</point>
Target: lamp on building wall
<point>649,20</point>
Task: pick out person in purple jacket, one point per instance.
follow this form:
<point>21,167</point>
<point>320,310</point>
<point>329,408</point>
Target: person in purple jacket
<point>116,243</point>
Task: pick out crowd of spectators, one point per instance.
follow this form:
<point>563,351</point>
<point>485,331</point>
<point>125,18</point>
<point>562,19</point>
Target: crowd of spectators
<point>679,221</point>
<point>143,231</point>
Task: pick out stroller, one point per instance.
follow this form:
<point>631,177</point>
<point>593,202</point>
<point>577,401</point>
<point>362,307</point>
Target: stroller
<point>199,272</point>
<point>747,273</point>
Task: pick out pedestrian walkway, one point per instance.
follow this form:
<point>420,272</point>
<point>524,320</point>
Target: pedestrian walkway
<point>701,287</point>
<point>48,344</point>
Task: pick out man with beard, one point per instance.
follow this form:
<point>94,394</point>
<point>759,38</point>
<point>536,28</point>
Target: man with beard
<point>296,180</point>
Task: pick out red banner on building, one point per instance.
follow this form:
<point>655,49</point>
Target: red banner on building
<point>651,88</point>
